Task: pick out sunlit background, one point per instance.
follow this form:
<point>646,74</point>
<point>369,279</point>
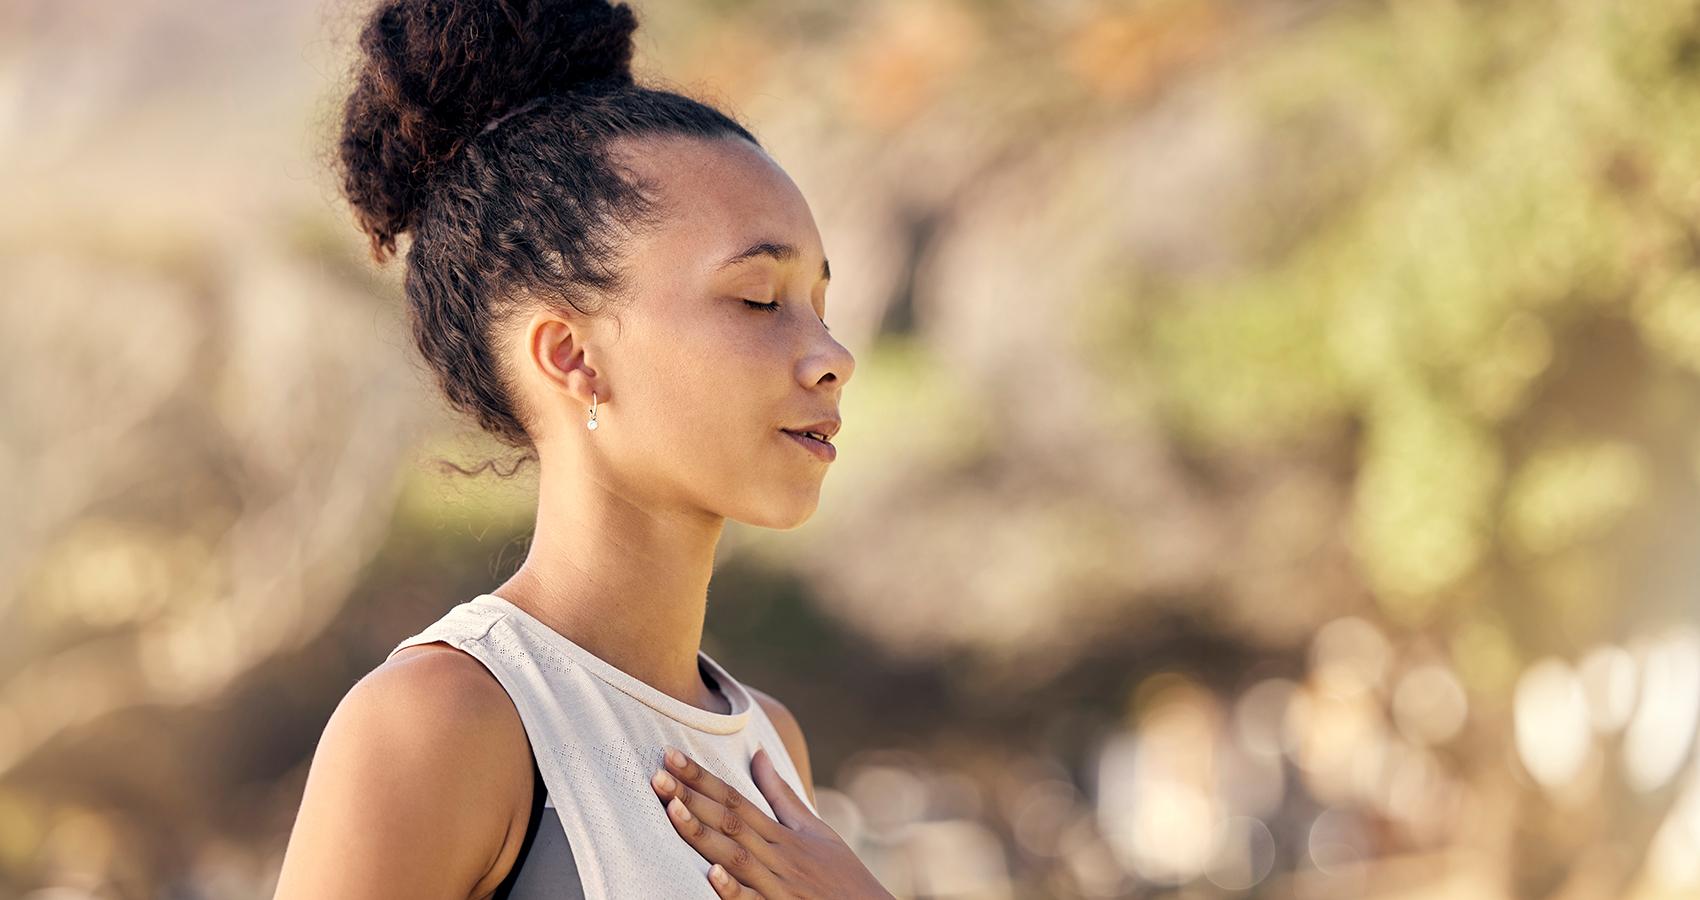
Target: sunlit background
<point>1272,466</point>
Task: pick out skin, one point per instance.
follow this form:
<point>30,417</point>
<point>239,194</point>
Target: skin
<point>692,387</point>
<point>755,856</point>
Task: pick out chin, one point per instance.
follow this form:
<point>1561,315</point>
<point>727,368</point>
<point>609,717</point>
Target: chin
<point>783,517</point>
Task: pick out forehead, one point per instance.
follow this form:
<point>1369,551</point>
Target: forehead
<point>718,195</point>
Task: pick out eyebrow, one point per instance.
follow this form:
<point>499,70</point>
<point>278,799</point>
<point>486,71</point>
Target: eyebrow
<point>778,250</point>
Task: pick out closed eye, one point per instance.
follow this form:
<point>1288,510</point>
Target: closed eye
<point>774,307</point>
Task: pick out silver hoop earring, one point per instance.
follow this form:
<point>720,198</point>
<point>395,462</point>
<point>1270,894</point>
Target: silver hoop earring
<point>592,423</point>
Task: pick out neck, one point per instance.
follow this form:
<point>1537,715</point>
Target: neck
<point>627,583</point>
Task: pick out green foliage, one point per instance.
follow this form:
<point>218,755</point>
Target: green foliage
<point>1522,173</point>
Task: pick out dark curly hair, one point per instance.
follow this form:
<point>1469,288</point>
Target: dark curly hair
<point>482,129</point>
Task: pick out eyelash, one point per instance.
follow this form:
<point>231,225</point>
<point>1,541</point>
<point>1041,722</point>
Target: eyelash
<point>773,307</point>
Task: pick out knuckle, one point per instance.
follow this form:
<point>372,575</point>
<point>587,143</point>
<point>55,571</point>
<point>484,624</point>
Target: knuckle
<point>733,799</point>
<point>741,859</point>
<point>732,825</point>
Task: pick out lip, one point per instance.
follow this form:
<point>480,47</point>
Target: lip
<point>828,427</point>
<point>822,450</point>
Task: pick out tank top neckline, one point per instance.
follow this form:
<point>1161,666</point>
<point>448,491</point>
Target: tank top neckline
<point>693,716</point>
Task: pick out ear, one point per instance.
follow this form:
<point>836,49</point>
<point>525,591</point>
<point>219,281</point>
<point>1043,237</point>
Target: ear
<point>557,348</point>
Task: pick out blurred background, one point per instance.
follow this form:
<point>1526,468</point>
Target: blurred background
<point>1272,468</point>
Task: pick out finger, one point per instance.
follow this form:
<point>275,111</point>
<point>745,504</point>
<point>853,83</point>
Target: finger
<point>727,886</point>
<point>715,847</point>
<point>780,795</point>
<point>749,817</point>
<point>714,815</point>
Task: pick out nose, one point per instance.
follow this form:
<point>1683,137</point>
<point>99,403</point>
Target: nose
<point>834,361</point>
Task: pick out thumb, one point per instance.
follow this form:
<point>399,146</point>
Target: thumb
<point>787,806</point>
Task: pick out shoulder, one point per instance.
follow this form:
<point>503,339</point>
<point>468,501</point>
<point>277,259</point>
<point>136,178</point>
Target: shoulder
<point>791,733</point>
<point>437,687</point>
<point>416,787</point>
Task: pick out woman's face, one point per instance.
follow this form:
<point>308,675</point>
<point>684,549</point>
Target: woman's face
<point>694,384</point>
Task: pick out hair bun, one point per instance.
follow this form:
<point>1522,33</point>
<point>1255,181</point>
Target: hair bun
<point>433,73</point>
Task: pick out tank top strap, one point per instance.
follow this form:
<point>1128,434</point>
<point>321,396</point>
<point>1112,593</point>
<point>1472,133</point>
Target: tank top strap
<point>463,623</point>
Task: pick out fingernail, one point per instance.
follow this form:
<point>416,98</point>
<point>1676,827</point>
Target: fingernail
<point>663,781</point>
<point>679,809</point>
<point>717,873</point>
<point>675,757</point>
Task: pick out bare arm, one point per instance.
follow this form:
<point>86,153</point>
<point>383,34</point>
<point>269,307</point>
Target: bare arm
<point>413,789</point>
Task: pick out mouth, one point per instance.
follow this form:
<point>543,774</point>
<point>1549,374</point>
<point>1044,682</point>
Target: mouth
<point>815,443</point>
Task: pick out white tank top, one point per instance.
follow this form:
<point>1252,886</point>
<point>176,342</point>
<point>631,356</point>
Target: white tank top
<point>598,734</point>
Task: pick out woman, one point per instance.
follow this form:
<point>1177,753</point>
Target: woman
<point>620,281</point>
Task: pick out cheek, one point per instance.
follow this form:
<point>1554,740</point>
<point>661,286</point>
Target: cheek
<point>706,382</point>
